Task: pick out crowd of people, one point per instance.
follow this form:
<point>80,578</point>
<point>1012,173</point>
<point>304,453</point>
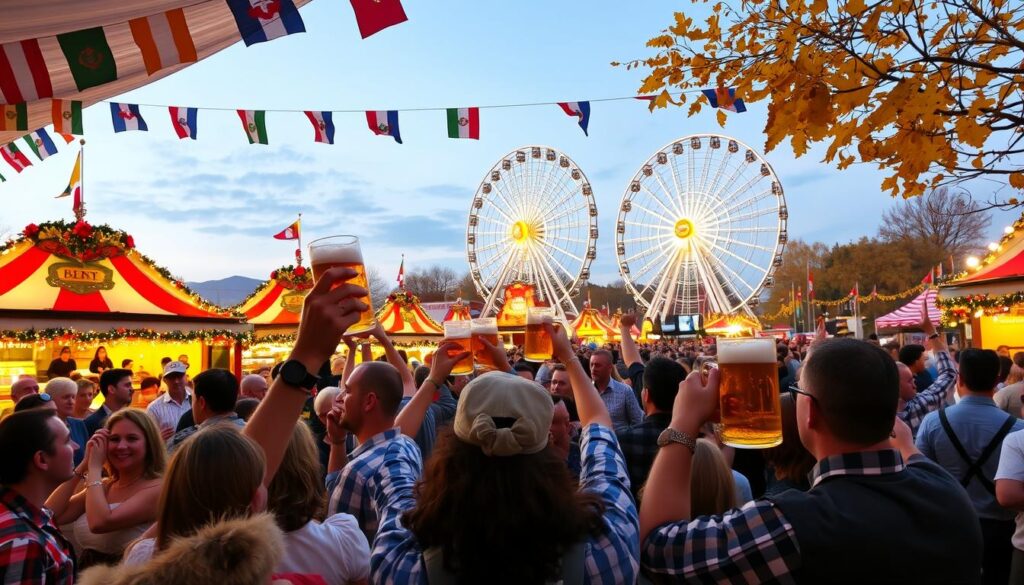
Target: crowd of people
<point>601,465</point>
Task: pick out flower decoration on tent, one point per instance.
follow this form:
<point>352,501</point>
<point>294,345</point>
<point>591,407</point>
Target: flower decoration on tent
<point>403,298</point>
<point>293,277</point>
<point>79,240</point>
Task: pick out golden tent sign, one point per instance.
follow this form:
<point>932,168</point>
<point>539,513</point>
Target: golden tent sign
<point>80,278</point>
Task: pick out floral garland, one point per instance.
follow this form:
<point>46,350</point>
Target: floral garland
<point>293,277</point>
<point>956,310</point>
<point>79,241</point>
<point>121,333</point>
<point>403,298</point>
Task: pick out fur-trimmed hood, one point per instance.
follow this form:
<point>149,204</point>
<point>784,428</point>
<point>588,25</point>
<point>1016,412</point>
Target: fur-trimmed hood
<point>241,551</point>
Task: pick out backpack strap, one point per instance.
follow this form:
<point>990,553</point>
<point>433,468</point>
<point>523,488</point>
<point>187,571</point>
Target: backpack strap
<point>573,565</point>
<point>974,466</point>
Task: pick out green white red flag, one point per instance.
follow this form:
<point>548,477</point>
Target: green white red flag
<point>255,124</point>
<point>464,123</point>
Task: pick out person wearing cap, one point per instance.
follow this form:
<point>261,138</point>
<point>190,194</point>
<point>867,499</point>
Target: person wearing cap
<point>169,407</point>
<point>496,504</point>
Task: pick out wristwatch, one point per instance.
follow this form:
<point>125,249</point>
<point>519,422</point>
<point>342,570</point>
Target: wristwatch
<point>934,336</point>
<point>294,373</point>
<point>670,435</point>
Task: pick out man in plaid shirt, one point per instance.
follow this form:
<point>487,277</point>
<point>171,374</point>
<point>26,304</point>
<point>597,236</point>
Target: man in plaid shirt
<point>864,489</point>
<point>915,405</point>
<point>38,456</point>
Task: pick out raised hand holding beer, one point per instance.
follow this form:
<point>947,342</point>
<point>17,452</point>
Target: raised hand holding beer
<point>344,251</point>
<point>332,307</point>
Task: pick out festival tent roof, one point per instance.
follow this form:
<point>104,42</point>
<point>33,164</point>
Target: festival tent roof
<point>909,315</point>
<point>616,316</point>
<point>457,312</point>
<point>403,316</point>
<point>279,300</point>
<point>210,23</point>
<point>590,323</point>
<point>61,271</point>
<point>1001,271</point>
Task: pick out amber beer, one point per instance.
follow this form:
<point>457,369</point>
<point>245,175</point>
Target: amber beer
<point>749,390</point>
<point>460,332</point>
<point>538,346</point>
<point>344,251</point>
<point>485,328</point>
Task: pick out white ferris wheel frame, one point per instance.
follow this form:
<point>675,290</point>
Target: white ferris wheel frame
<point>555,207</point>
<point>697,263</point>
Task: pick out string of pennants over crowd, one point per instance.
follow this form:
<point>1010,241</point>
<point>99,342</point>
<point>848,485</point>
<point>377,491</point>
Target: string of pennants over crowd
<point>165,39</point>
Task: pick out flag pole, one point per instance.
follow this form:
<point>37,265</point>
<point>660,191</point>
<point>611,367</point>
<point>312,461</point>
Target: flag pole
<point>298,251</point>
<point>80,210</point>
<point>792,298</point>
<point>810,297</point>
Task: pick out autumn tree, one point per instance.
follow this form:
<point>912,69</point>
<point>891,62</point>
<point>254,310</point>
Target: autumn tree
<point>792,275</point>
<point>433,283</point>
<point>379,288</point>
<point>932,92</point>
<point>941,224</point>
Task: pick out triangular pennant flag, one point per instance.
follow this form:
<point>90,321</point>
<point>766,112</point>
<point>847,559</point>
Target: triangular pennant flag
<point>464,123</point>
<point>260,21</point>
<point>384,123</point>
<point>724,98</point>
<point>14,157</point>
<point>41,144</point>
<point>323,126</point>
<point>291,232</point>
<point>14,117</point>
<point>23,73</point>
<point>927,279</point>
<point>67,117</point>
<point>127,117</point>
<point>401,273</point>
<point>184,121</point>
<point>89,57</point>
<point>75,183</point>
<point>579,110</point>
<point>373,16</point>
<point>255,124</point>
<point>163,40</point>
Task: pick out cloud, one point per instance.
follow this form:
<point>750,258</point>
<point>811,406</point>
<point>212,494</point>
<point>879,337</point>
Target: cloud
<point>421,230</point>
<point>454,191</point>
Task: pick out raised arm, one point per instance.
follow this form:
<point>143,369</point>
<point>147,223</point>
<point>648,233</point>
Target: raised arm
<point>941,388</point>
<point>326,314</point>
<point>588,402</point>
<point>410,418</point>
<point>350,361</point>
<point>630,354</point>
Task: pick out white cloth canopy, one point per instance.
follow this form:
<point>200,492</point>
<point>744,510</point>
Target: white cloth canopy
<point>210,22</point>
<point>909,315</point>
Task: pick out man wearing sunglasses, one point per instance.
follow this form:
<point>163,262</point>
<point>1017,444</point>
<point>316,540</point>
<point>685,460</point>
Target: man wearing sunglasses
<point>870,485</point>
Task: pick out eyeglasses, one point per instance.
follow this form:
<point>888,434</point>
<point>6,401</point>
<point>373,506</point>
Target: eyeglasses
<point>794,390</point>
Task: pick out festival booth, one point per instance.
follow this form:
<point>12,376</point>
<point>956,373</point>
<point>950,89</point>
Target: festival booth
<point>458,312</point>
<point>518,297</point>
<point>989,299</point>
<point>636,333</point>
<point>408,325</point>
<point>591,326</point>
<point>738,325</point>
<point>903,322</point>
<point>273,310</point>
<point>74,284</point>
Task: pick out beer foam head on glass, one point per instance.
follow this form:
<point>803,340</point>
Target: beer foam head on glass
<point>749,392</point>
<point>485,328</point>
<point>538,346</point>
<point>460,332</point>
<point>332,251</point>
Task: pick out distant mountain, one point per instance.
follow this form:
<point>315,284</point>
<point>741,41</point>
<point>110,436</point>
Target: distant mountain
<point>226,292</point>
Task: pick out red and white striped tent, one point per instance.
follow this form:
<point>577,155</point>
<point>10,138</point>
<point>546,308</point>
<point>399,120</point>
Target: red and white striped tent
<point>403,318</point>
<point>909,315</point>
<point>590,325</point>
<point>275,307</point>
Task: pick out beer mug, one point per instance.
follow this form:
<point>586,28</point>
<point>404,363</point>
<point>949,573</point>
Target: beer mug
<point>460,332</point>
<point>485,328</point>
<point>749,393</point>
<point>326,253</point>
<point>538,346</point>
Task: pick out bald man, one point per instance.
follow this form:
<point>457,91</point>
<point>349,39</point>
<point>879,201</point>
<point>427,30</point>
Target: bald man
<point>253,386</point>
<point>20,389</point>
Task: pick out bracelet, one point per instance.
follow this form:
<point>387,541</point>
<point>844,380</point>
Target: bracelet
<point>431,380</point>
<point>94,483</point>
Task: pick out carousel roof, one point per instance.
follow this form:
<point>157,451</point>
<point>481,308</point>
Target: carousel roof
<point>402,315</point>
<point>75,267</point>
<point>278,301</point>
<point>591,323</point>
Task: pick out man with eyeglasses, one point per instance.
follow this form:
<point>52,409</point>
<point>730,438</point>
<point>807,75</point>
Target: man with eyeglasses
<point>20,389</point>
<point>870,485</point>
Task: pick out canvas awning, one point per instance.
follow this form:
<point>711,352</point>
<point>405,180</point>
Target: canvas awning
<point>909,315</point>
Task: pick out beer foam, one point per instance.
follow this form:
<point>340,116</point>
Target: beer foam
<point>747,352</point>
<point>336,254</point>
<point>485,329</point>
<point>534,319</point>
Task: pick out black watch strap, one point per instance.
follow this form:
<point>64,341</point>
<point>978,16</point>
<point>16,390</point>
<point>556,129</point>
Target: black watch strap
<point>294,373</point>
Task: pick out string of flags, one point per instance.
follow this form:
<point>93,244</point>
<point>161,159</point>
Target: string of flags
<point>461,123</point>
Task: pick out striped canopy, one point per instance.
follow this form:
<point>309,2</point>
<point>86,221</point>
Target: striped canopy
<point>591,325</point>
<point>273,304</point>
<point>402,315</point>
<point>909,315</point>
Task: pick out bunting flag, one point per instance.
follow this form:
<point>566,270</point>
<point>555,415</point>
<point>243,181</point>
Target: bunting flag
<point>255,124</point>
<point>23,73</point>
<point>725,98</point>
<point>928,279</point>
<point>384,123</point>
<point>291,232</point>
<point>323,126</point>
<point>810,284</point>
<point>2,179</point>
<point>89,57</point>
<point>799,303</point>
<point>14,157</point>
<point>645,98</point>
<point>67,117</point>
<point>126,117</point>
<point>75,184</point>
<point>260,21</point>
<point>401,273</point>
<point>464,123</point>
<point>579,110</point>
<point>163,39</point>
<point>14,116</point>
<point>184,122</point>
<point>41,144</point>
<point>373,16</point>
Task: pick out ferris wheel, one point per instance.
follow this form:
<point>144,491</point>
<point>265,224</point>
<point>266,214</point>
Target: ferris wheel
<point>701,228</point>
<point>533,219</point>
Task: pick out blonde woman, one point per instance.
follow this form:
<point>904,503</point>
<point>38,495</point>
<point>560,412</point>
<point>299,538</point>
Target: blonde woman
<point>108,514</point>
<point>296,497</point>
<point>712,488</point>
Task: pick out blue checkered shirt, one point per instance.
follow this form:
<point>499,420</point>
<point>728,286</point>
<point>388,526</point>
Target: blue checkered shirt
<point>611,558</point>
<point>752,544</point>
<point>622,405</point>
<point>930,398</point>
<point>351,495</point>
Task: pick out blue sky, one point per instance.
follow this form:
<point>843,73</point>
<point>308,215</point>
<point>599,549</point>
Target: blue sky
<point>206,209</point>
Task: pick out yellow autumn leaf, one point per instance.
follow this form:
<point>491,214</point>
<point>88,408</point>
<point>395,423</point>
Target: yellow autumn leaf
<point>1017,180</point>
<point>855,7</point>
<point>720,114</point>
